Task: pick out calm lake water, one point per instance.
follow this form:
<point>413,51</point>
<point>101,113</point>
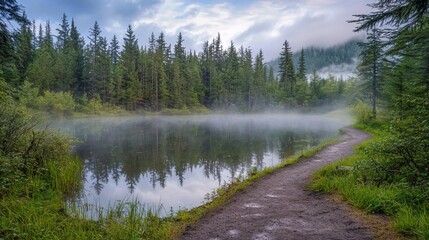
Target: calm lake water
<point>176,160</point>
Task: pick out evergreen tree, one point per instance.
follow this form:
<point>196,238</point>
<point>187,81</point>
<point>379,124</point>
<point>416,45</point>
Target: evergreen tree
<point>180,86</point>
<point>93,52</point>
<point>248,82</point>
<point>301,66</point>
<point>65,63</point>
<point>76,50</point>
<point>10,11</point>
<point>114,50</point>
<point>41,71</point>
<point>195,84</point>
<point>161,94</point>
<point>231,79</point>
<point>207,68</point>
<point>287,73</point>
<point>260,74</point>
<point>133,89</point>
<point>370,67</point>
<point>301,92</point>
<point>63,35</point>
<point>24,50</point>
<point>47,40</point>
<point>115,82</point>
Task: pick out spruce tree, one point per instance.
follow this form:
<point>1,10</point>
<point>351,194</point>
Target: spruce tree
<point>133,88</point>
<point>260,75</point>
<point>63,35</point>
<point>24,50</point>
<point>287,73</point>
<point>370,68</point>
<point>301,66</point>
<point>76,49</point>
<point>10,11</point>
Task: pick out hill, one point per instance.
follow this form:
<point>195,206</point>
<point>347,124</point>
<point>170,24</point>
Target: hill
<point>340,58</point>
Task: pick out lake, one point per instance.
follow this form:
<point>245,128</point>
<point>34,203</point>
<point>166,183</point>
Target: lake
<point>176,160</point>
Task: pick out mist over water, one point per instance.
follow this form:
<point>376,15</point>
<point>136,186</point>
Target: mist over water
<point>176,160</point>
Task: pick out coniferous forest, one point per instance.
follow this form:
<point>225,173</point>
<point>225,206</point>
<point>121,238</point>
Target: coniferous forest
<point>60,69</point>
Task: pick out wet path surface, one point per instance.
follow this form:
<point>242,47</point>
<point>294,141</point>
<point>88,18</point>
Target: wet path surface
<point>279,206</point>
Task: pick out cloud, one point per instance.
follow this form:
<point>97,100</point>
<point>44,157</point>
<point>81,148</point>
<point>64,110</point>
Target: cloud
<point>260,24</point>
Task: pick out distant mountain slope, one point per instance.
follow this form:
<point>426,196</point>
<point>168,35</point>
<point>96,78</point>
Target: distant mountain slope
<point>319,58</point>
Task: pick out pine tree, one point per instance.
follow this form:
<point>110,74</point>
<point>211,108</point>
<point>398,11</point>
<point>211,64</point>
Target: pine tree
<point>114,50</point>
<point>133,88</point>
<point>161,75</point>
<point>47,40</point>
<point>231,79</point>
<point>370,68</point>
<point>93,52</point>
<point>287,73</point>
<point>207,67</point>
<point>181,84</point>
<point>301,66</point>
<point>76,50</point>
<point>24,52</point>
<point>65,62</point>
<point>260,78</point>
<point>63,35</point>
<point>194,77</point>
<point>115,83</point>
<point>301,92</point>
<point>41,71</point>
<point>10,11</point>
<point>248,82</point>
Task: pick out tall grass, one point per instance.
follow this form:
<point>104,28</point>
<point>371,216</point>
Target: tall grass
<point>46,217</point>
<point>65,175</point>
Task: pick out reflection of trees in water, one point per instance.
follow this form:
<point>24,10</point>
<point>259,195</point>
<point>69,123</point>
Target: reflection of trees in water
<point>158,150</point>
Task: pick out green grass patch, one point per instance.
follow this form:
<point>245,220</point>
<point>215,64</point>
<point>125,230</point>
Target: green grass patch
<point>407,204</point>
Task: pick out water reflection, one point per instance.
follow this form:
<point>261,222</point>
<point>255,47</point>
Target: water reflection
<point>177,160</point>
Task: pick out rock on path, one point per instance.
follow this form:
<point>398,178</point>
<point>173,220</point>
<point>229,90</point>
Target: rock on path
<point>279,206</point>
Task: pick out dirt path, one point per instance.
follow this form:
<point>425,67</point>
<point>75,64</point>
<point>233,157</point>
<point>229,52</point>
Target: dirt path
<point>279,207</point>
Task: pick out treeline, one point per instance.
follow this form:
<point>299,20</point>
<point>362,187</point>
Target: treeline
<point>64,71</point>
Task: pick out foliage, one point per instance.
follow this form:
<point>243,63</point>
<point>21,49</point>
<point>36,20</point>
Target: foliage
<point>362,112</point>
<point>379,182</point>
<point>52,102</point>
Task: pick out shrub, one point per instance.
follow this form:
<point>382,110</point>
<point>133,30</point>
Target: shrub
<point>52,102</point>
<point>362,112</point>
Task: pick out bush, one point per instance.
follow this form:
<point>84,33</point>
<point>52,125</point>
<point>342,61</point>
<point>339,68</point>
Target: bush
<point>56,103</point>
<point>93,106</point>
<point>362,112</point>
<point>24,151</point>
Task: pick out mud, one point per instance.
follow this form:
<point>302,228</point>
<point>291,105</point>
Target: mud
<point>280,207</point>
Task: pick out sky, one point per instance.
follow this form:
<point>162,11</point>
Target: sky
<point>256,24</point>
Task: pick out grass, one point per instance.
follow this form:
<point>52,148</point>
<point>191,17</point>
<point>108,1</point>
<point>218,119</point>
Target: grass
<point>47,218</point>
<point>407,205</point>
<point>64,174</point>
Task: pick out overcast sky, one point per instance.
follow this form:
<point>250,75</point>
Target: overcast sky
<point>259,24</point>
